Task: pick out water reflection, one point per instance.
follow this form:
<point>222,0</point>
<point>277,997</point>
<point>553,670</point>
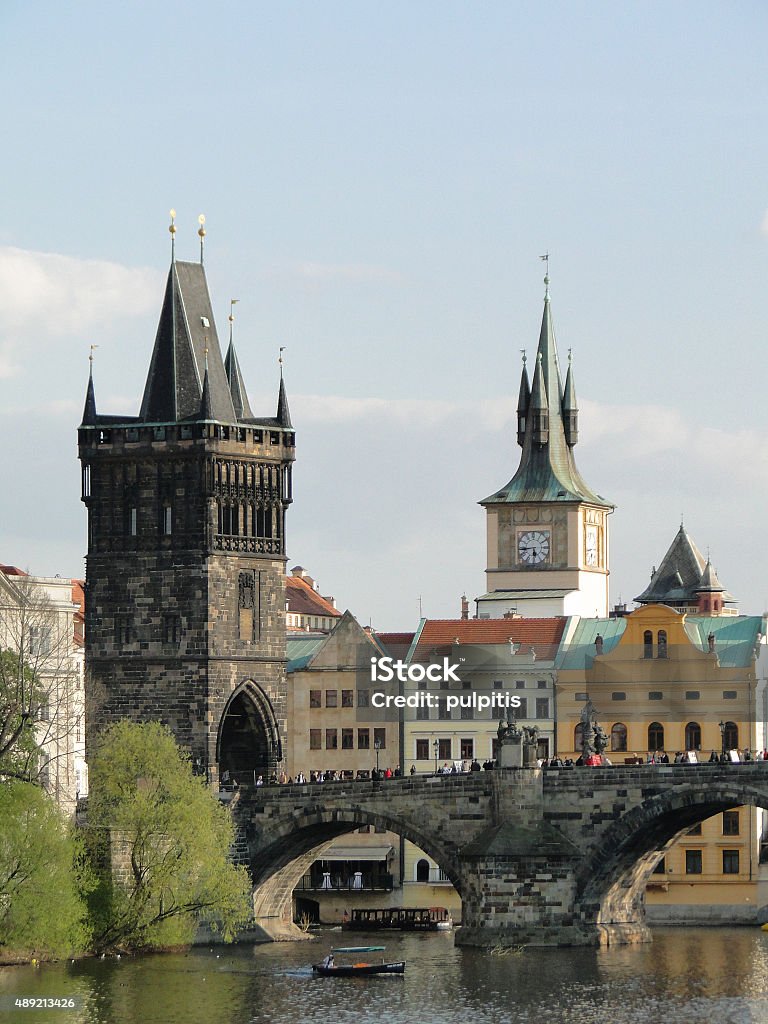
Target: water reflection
<point>685,974</point>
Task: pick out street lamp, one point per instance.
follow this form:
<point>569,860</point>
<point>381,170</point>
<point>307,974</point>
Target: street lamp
<point>436,747</point>
<point>377,748</point>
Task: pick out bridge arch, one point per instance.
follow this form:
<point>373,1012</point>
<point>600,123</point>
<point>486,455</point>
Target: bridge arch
<point>610,885</point>
<point>283,852</point>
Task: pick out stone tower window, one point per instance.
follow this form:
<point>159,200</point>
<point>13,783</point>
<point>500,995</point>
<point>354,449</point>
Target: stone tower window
<point>247,604</point>
<point>648,644</point>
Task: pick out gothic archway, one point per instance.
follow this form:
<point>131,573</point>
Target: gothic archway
<point>248,744</point>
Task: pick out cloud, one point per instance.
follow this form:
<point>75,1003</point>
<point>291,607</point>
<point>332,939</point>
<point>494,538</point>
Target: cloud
<point>45,297</point>
<point>491,414</point>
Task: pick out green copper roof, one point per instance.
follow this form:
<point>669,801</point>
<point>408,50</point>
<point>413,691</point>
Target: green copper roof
<point>581,650</point>
<point>736,636</point>
<point>547,471</point>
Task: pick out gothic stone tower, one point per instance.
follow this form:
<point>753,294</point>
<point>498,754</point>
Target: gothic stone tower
<point>186,549</point>
<point>547,530</point>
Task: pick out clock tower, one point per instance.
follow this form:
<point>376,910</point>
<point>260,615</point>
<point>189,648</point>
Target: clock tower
<point>547,530</point>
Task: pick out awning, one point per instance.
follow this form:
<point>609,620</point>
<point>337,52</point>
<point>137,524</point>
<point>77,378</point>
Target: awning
<point>357,853</point>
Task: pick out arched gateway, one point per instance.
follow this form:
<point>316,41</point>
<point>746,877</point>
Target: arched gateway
<point>248,744</point>
<point>540,857</point>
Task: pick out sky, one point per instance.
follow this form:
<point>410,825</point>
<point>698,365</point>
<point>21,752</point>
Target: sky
<point>379,181</point>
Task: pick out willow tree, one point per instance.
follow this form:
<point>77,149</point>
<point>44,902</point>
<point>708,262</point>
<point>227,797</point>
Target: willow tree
<point>162,841</point>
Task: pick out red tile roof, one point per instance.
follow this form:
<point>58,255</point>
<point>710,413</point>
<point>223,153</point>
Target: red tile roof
<point>304,600</point>
<point>396,644</point>
<point>11,570</point>
<point>543,634</point>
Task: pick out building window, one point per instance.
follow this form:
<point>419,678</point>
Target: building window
<point>619,737</point>
<point>171,629</point>
<point>618,695</point>
<point>647,644</point>
<point>522,711</point>
<point>578,738</point>
<point>347,739</point>
<point>730,862</point>
<point>422,870</point>
<point>443,711</point>
<point>662,652</point>
<point>362,698</point>
<point>542,707</point>
<point>363,739</point>
<point>519,684</point>
<point>467,713</point>
<point>655,695</point>
<point>498,684</point>
<point>315,739</point>
<point>693,862</point>
<point>655,736</point>
<point>467,749</point>
<point>692,695</point>
<point>347,698</point>
<point>315,698</point>
<point>695,830</point>
<point>422,750</point>
<point>444,749</point>
<point>693,736</point>
<point>730,694</point>
<point>581,697</point>
<point>167,520</point>
<point>331,698</point>
<point>661,867</point>
<point>133,521</point>
<point>730,823</point>
<point>331,739</point>
<point>380,738</point>
<point>731,736</point>
<point>122,629</point>
<point>541,684</point>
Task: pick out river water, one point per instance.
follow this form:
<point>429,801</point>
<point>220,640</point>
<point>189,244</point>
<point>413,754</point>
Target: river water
<point>717,976</point>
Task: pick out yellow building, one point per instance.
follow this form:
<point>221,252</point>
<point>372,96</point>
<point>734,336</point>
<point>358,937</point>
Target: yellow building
<point>665,682</point>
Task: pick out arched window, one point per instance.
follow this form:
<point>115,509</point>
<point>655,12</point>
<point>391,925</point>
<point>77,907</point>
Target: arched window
<point>662,643</point>
<point>655,737</point>
<point>693,736</point>
<point>731,736</point>
<point>422,870</point>
<point>578,738</point>
<point>619,737</point>
<point>647,644</point>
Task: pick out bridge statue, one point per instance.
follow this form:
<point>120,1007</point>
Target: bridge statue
<point>593,735</point>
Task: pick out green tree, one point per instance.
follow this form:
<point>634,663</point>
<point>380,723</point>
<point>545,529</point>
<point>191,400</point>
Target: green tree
<point>21,698</point>
<point>41,875</point>
<point>163,841</point>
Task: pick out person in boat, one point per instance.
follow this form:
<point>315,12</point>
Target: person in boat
<point>328,961</point>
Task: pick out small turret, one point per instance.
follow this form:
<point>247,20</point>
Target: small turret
<point>570,408</point>
<point>539,407</point>
<point>523,403</point>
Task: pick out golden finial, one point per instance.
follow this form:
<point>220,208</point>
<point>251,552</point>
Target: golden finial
<point>231,317</point>
<point>201,232</point>
<point>525,357</point>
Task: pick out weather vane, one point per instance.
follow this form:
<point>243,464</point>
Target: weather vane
<point>545,257</point>
<point>172,229</point>
<point>90,357</point>
<point>201,232</point>
<point>525,357</point>
<point>231,317</point>
<point>280,359</point>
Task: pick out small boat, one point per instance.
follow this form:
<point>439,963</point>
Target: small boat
<point>355,970</point>
<point>359,969</point>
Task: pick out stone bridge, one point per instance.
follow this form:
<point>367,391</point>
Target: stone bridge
<point>544,857</point>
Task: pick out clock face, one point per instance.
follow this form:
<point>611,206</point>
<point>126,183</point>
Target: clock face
<point>533,547</point>
<point>590,546</point>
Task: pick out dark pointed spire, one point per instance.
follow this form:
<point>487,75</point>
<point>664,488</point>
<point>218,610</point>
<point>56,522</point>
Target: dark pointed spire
<point>175,381</point>
<point>283,412</point>
<point>89,410</point>
<point>234,376</point>
<point>539,406</point>
<point>570,408</point>
<point>206,406</point>
<point>523,402</point>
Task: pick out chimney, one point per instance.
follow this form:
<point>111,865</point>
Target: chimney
<point>464,607</point>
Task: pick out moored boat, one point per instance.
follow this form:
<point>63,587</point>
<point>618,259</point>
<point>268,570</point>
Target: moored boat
<point>358,970</point>
<point>407,919</point>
